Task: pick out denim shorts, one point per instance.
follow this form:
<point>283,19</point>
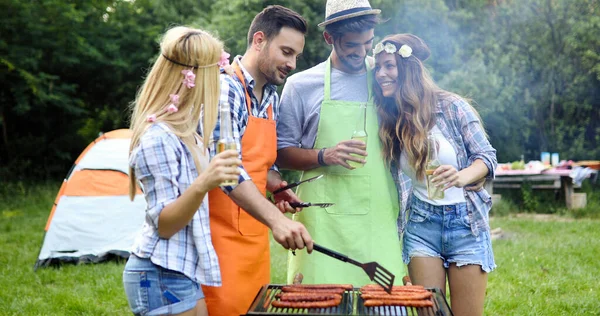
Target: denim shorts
<point>153,290</point>
<point>444,231</point>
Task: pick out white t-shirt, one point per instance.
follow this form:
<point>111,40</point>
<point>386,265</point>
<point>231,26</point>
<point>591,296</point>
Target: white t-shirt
<point>447,156</point>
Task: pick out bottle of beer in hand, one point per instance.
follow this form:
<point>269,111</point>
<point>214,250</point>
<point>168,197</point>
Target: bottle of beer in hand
<point>360,133</point>
<point>433,162</point>
<point>226,140</point>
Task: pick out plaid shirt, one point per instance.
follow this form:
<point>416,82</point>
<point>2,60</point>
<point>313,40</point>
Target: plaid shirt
<point>232,91</point>
<point>165,168</point>
<point>462,129</point>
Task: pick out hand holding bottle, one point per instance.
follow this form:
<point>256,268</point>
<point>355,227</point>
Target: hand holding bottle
<point>222,168</point>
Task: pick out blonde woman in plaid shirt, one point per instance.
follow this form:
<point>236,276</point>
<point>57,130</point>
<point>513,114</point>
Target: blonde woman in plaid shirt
<point>447,237</point>
<point>173,255</point>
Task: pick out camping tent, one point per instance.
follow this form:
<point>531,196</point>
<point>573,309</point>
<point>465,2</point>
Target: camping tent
<point>93,218</point>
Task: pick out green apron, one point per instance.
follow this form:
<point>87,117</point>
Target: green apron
<point>362,223</point>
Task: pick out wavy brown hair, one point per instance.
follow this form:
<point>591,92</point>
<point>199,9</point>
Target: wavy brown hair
<point>406,118</point>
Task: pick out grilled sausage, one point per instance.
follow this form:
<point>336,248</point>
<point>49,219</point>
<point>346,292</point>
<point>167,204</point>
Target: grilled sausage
<point>348,287</point>
<point>314,304</point>
<point>301,296</point>
<point>388,302</point>
<point>396,288</point>
<point>295,288</point>
<point>397,296</point>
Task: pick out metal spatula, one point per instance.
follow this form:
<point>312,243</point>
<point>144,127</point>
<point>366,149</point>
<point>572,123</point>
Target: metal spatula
<point>376,272</point>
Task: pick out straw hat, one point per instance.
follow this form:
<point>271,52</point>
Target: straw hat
<point>337,10</point>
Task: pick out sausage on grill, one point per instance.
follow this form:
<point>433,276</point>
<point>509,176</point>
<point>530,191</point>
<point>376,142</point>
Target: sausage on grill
<point>392,302</point>
<point>313,304</point>
<point>348,287</point>
<point>295,288</point>
<point>395,288</point>
<point>397,295</point>
<point>301,296</point>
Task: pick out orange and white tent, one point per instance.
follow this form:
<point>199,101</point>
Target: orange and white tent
<point>93,218</point>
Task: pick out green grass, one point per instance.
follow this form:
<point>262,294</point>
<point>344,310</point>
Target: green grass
<point>544,267</point>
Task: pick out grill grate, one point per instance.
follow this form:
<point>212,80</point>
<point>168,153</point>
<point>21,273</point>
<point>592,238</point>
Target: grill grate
<point>352,304</point>
<point>440,307</point>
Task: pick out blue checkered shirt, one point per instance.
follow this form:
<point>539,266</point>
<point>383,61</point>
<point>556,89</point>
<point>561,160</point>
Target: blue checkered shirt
<point>232,91</point>
<point>165,168</point>
<point>461,127</point>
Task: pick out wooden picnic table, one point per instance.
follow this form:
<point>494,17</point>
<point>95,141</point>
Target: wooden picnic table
<point>540,179</point>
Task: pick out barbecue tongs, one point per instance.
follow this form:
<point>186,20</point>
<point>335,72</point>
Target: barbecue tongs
<point>308,204</point>
<point>295,184</point>
<point>375,271</point>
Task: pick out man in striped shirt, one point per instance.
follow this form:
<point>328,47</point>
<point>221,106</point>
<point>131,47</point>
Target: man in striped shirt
<point>240,215</point>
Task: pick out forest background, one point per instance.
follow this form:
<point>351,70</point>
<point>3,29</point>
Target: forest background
<point>70,68</point>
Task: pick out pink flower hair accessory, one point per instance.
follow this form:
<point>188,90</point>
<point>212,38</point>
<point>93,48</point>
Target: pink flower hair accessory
<point>172,108</point>
<point>224,60</point>
<point>151,118</point>
<point>174,98</point>
<point>189,78</point>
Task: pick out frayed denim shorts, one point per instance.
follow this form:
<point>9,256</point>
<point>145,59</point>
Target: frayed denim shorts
<point>444,231</point>
<point>153,290</point>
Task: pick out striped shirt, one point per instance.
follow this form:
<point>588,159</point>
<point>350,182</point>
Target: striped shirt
<point>232,91</point>
<point>462,129</point>
<point>165,168</point>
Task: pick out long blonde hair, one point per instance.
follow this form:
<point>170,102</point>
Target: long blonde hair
<point>407,117</point>
<point>179,46</point>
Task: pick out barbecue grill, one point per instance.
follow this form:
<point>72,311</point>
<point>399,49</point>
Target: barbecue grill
<point>352,304</point>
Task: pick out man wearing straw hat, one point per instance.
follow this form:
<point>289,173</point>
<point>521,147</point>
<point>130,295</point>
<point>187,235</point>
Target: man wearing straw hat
<point>320,108</point>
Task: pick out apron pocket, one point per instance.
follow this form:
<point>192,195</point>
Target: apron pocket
<point>341,190</point>
<point>248,226</point>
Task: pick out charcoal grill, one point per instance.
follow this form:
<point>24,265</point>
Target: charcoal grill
<point>352,304</point>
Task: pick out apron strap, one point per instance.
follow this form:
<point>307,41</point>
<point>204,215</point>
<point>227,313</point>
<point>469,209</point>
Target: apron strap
<point>327,90</point>
<point>327,95</point>
<point>240,75</point>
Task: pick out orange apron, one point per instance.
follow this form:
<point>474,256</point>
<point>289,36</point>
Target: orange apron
<point>242,242</point>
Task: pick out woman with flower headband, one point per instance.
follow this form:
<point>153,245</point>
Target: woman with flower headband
<point>174,254</point>
<point>447,237</point>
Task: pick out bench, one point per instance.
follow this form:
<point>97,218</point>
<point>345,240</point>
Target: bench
<point>555,179</point>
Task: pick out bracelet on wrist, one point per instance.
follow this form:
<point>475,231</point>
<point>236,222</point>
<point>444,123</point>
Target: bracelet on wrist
<point>320,158</point>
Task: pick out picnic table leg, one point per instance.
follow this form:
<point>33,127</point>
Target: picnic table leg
<point>567,184</point>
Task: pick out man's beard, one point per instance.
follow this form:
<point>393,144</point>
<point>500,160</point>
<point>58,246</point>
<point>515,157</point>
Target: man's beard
<point>271,75</point>
<point>346,61</point>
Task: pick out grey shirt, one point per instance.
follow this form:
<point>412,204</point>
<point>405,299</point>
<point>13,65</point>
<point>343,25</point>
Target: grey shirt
<point>301,100</point>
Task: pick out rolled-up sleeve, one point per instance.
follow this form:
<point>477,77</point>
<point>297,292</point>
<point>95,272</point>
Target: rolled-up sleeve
<point>476,141</point>
<point>291,116</point>
<point>157,168</point>
<point>235,96</point>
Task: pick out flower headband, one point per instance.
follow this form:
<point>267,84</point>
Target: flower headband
<point>189,80</point>
<point>405,51</point>
<point>223,61</point>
